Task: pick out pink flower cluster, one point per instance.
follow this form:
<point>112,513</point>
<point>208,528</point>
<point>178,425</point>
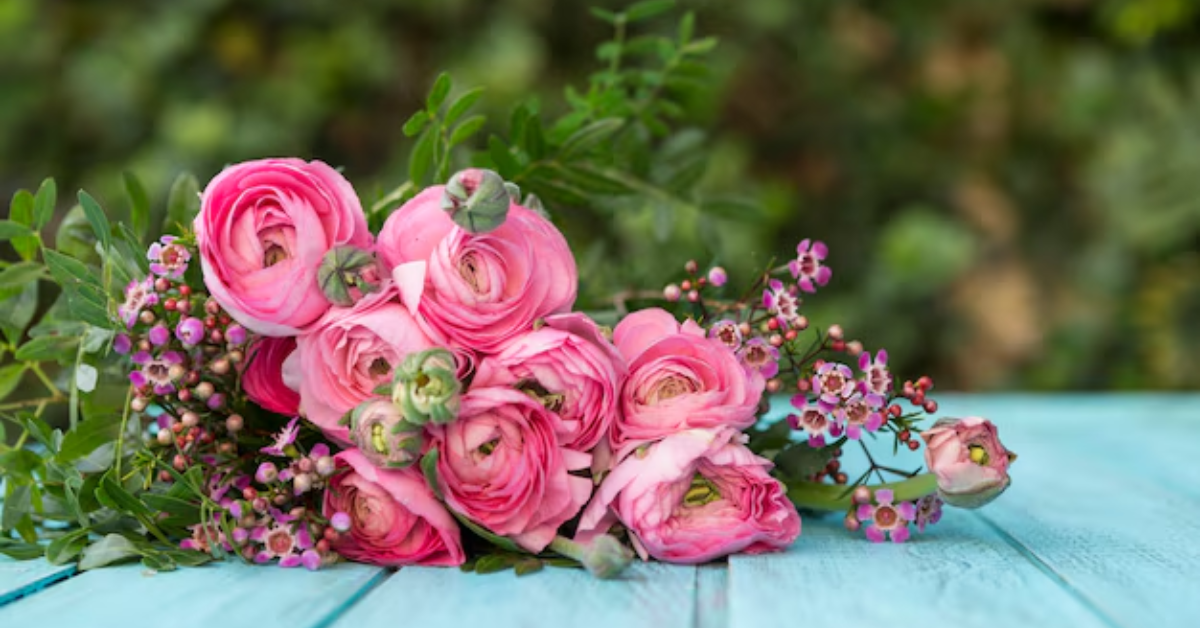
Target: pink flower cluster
<point>842,404</point>
<point>654,415</point>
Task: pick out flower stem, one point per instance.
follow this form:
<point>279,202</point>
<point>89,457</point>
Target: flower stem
<point>566,547</point>
<point>816,496</point>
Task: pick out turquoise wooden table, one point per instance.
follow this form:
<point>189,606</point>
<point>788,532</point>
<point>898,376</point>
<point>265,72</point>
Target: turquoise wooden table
<point>1101,528</point>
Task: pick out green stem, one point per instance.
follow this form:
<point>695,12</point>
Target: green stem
<point>816,496</point>
<point>566,547</point>
<point>37,369</point>
<point>121,436</point>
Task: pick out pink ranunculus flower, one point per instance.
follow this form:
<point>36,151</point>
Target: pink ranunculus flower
<point>572,368</point>
<point>262,230</point>
<point>679,379</point>
<point>968,459</point>
<point>395,519</point>
<point>348,353</point>
<point>694,496</point>
<point>263,377</point>
<point>500,465</point>
<point>476,291</point>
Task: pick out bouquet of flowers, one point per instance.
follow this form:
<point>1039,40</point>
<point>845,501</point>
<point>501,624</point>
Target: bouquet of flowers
<point>302,390</point>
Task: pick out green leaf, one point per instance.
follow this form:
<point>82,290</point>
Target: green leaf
<point>19,463</point>
<point>47,348</point>
<point>183,203</point>
<point>18,498</point>
<point>75,238</point>
<point>17,310</point>
<point>589,136</point>
<point>800,461</point>
<point>20,274</point>
<point>139,204</point>
<point>62,550</point>
<point>687,26</point>
<point>469,127</point>
<point>82,288</point>
<point>605,15</point>
<point>17,550</point>
<point>113,548</point>
<point>42,432</point>
<point>438,93</point>
<point>494,563</point>
<point>416,123</point>
<point>96,218</point>
<point>10,377</point>
<point>87,436</point>
<point>429,469</point>
<point>43,203</point>
<point>112,494</point>
<point>647,9</point>
<point>421,160</point>
<point>488,535</point>
<point>20,211</point>
<point>158,562</point>
<point>506,165</point>
<point>700,46</point>
<point>10,229</point>
<point>462,104</point>
<point>187,558</point>
<point>528,566</point>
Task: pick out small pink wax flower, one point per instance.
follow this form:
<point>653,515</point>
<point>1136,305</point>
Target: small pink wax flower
<point>887,519</point>
<point>807,267</point>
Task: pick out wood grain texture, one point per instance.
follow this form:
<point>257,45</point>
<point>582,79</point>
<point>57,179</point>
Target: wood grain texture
<point>650,594</point>
<point>26,577</point>
<point>712,599</point>
<point>214,596</point>
<point>961,573</point>
<point>1093,505</point>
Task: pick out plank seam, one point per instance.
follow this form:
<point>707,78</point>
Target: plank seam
<point>1051,573</point>
<point>376,580</point>
<point>39,585</point>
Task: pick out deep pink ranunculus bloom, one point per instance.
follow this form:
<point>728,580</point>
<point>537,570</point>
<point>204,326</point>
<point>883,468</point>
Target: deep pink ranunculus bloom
<point>263,378</point>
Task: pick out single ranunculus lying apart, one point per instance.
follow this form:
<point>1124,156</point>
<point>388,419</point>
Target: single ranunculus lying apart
<point>970,462</point>
<point>500,465</point>
<point>678,379</point>
<point>262,230</point>
<point>395,519</point>
<point>692,497</point>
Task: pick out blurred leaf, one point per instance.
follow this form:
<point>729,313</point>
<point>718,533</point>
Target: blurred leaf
<point>10,377</point>
<point>139,204</point>
<point>17,310</point>
<point>528,566</point>
<point>20,274</point>
<point>589,136</point>
<point>87,436</point>
<point>43,203</point>
<point>416,123</point>
<point>41,432</point>
<point>20,211</point>
<point>647,9</point>
<point>75,237</point>
<point>65,548</point>
<point>113,548</point>
<point>95,216</point>
<point>462,104</point>
<point>85,377</point>
<point>603,14</point>
<point>502,159</point>
<point>800,461</point>
<point>924,250</point>
<point>48,348</point>
<point>421,160</point>
<point>469,127</point>
<point>10,230</point>
<point>20,551</point>
<point>183,203</point>
<point>438,93</point>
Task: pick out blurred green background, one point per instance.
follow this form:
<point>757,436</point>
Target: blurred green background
<point>1010,190</point>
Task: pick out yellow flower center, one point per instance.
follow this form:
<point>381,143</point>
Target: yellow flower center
<point>701,492</point>
<point>978,455</point>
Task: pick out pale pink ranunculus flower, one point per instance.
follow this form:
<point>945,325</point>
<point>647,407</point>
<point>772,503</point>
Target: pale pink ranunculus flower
<point>678,379</point>
<point>572,367</point>
<point>262,230</point>
<point>395,519</point>
<point>968,459</point>
<point>262,379</point>
<point>694,496</point>
<point>348,353</point>
<point>500,465</point>
<point>476,292</point>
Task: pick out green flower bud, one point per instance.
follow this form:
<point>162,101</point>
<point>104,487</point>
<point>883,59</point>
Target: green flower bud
<point>477,200</point>
<point>607,557</point>
<point>427,387</point>
<point>347,274</point>
<point>384,437</point>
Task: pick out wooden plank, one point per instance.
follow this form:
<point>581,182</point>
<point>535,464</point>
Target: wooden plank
<point>215,595</point>
<point>650,594</point>
<point>1085,510</point>
<point>961,573</point>
<point>712,596</point>
<point>21,578</point>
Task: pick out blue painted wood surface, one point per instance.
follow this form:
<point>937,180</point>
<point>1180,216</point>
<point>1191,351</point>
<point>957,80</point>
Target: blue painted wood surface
<point>1099,530</point>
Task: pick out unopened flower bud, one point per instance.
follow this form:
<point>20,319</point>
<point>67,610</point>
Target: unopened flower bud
<point>235,334</point>
<point>302,483</point>
<point>138,404</point>
<point>234,423</point>
<point>835,332</point>
<point>691,267</point>
<point>267,473</point>
<point>204,391</point>
<point>693,296</point>
<point>672,293</point>
<point>854,348</point>
<point>164,437</point>
<point>426,387</point>
<point>968,459</point>
<point>383,435</point>
<point>862,495</point>
<point>851,522</point>
<point>717,276</point>
<point>607,557</point>
<point>477,200</point>
<point>219,367</point>
<point>340,522</point>
<point>347,274</point>
<point>325,466</point>
<point>146,317</point>
<point>190,419</point>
